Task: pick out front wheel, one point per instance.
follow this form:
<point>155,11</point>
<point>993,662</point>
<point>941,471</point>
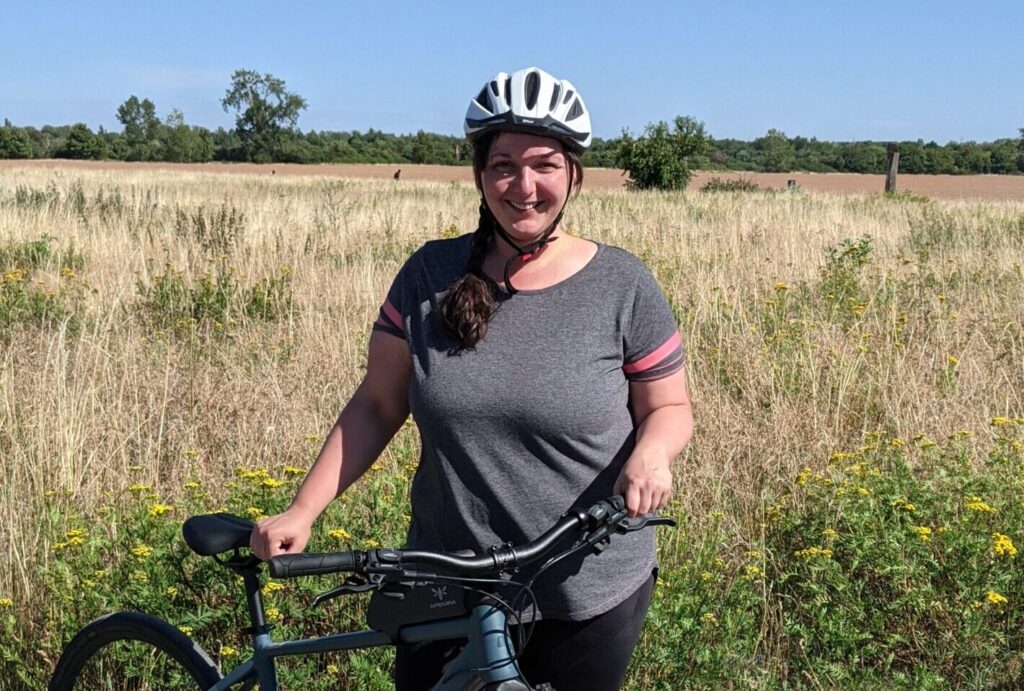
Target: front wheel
<point>131,651</point>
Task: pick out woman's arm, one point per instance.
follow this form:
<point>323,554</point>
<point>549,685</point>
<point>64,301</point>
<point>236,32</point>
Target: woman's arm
<point>664,421</point>
<point>367,423</point>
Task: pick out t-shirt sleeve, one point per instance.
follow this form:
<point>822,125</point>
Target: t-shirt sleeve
<point>390,317</point>
<point>652,347</point>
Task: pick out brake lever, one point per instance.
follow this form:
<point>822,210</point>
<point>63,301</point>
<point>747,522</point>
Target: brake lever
<point>630,525</point>
<point>347,588</point>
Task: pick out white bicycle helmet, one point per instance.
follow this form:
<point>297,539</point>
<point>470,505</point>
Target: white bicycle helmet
<point>532,101</point>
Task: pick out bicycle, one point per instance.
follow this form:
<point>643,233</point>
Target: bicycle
<point>417,596</point>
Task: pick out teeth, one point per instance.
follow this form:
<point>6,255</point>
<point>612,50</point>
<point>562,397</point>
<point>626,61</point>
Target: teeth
<point>524,207</point>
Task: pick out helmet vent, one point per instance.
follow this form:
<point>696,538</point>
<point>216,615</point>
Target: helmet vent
<point>481,97</point>
<point>532,89</point>
<point>568,95</point>
<point>508,91</point>
<point>555,93</point>
<point>494,88</point>
<point>575,111</point>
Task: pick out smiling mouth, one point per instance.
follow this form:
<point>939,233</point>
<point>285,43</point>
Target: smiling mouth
<point>524,207</point>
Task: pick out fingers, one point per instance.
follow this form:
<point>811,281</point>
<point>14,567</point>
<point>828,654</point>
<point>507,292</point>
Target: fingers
<point>644,494</point>
<point>273,536</point>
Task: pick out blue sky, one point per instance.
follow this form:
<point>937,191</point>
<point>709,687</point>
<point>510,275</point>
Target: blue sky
<point>842,71</point>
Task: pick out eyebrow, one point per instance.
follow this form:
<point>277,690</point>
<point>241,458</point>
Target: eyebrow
<point>502,154</point>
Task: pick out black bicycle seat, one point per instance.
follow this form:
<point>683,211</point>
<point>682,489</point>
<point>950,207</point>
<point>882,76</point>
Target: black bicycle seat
<point>216,532</point>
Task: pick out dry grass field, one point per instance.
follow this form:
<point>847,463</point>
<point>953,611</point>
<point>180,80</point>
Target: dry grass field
<point>186,323</point>
<point>965,187</point>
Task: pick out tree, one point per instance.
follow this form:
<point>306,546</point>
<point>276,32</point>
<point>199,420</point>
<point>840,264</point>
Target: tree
<point>264,111</point>
<point>184,144</point>
<point>141,127</point>
<point>14,142</point>
<point>660,158</point>
<point>777,151</point>
<point>81,143</point>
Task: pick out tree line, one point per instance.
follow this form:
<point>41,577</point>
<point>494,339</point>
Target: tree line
<point>267,113</point>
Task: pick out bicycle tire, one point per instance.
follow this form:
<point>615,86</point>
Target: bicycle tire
<point>132,651</point>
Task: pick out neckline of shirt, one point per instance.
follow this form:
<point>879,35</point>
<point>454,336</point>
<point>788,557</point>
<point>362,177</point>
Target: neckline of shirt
<point>568,279</point>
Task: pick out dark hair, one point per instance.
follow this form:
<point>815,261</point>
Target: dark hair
<point>469,303</point>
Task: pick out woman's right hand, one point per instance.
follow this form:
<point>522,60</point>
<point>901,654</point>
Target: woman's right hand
<point>285,533</point>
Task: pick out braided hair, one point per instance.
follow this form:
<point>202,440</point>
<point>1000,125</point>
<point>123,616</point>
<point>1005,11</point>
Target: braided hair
<point>469,303</point>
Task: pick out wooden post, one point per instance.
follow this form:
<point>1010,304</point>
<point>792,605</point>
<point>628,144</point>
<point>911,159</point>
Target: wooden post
<point>892,166</point>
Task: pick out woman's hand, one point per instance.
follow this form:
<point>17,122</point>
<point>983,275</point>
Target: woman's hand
<point>285,533</point>
<point>646,484</point>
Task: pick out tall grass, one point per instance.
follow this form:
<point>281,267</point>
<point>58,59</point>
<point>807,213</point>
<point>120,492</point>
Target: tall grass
<point>183,331</point>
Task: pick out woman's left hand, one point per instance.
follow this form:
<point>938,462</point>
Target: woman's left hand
<point>646,484</point>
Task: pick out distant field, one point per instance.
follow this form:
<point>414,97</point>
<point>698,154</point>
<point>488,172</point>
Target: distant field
<point>988,187</point>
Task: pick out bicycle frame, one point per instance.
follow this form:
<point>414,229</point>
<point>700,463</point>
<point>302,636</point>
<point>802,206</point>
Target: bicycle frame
<point>488,652</point>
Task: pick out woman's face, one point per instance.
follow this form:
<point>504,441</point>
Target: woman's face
<point>525,183</point>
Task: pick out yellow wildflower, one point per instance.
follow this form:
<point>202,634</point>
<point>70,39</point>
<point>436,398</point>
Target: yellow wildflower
<point>995,598</point>
<point>830,534</point>
<point>895,443</point>
<point>6,602</point>
<point>372,544</point>
<point>228,651</point>
<point>272,587</point>
<point>254,513</point>
<point>292,470</point>
<point>271,483</point>
<point>1001,421</point>
<point>171,591</point>
<point>187,630</point>
<point>781,287</point>
<point>975,503</point>
<point>804,476</point>
<point>273,614</point>
<point>138,488</point>
<point>340,534</point>
<point>160,509</point>
<point>707,576</point>
<point>952,360</point>
<point>753,554</point>
<point>709,618</point>
<point>142,551</point>
<point>923,532</point>
<point>812,552</point>
<point>192,484</point>
<point>1003,546</point>
<point>753,573</point>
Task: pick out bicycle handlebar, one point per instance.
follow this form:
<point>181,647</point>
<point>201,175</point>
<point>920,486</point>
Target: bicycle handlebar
<point>604,516</point>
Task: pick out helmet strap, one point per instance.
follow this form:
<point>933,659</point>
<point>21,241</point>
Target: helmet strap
<point>526,252</point>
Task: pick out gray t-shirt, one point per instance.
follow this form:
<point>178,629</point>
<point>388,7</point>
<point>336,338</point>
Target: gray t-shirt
<point>534,420</point>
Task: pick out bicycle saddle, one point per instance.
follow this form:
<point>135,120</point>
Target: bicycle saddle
<point>216,532</point>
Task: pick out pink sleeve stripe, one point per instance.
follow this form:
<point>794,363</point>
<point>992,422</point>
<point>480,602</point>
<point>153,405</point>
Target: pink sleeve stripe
<point>392,314</point>
<point>655,357</point>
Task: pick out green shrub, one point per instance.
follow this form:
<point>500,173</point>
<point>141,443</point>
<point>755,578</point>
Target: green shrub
<point>27,299</point>
<point>658,159</point>
<point>894,565</point>
<point>212,303</point>
<point>737,185</point>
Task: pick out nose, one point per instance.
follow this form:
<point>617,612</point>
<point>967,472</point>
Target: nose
<point>525,180</point>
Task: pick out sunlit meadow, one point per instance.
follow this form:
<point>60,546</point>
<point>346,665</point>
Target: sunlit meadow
<point>849,510</point>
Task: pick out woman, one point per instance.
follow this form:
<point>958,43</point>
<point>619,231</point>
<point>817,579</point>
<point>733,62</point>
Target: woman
<point>543,371</point>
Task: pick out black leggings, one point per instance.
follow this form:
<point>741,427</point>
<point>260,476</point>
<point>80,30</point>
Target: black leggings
<point>590,655</point>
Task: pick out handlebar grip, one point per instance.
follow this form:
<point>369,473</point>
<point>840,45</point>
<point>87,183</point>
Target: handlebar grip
<point>294,565</point>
